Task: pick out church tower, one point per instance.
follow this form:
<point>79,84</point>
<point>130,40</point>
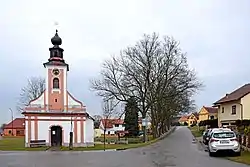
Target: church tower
<point>56,114</point>
<point>56,77</point>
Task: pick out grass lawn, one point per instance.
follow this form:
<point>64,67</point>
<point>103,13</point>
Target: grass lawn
<point>16,144</point>
<point>244,158</point>
<point>111,146</point>
<point>131,140</point>
<point>195,131</point>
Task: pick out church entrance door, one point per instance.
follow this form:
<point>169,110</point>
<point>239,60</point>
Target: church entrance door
<point>56,136</point>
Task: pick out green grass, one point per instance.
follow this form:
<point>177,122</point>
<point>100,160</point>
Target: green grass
<point>16,144</point>
<point>131,140</point>
<point>111,146</point>
<point>244,158</point>
<point>196,131</point>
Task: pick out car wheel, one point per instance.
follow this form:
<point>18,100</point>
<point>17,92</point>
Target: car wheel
<point>211,154</point>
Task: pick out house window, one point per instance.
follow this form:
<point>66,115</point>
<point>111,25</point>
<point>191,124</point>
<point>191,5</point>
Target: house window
<point>9,131</point>
<point>56,83</point>
<point>116,125</point>
<point>233,109</point>
<point>108,132</point>
<point>222,110</point>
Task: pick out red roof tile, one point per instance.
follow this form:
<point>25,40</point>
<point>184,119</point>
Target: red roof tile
<point>235,95</point>
<point>18,123</point>
<point>184,118</point>
<point>108,123</point>
<point>211,110</point>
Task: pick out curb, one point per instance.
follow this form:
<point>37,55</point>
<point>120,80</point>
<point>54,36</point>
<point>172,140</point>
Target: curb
<point>157,139</point>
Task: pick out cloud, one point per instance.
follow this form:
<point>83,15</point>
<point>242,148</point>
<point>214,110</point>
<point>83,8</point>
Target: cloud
<point>215,35</point>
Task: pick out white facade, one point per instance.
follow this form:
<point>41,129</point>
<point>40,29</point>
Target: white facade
<point>44,124</point>
<point>56,113</point>
<point>113,130</point>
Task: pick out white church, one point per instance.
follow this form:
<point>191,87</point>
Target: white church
<point>56,113</point>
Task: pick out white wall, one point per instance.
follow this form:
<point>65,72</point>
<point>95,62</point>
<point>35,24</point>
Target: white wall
<point>72,102</point>
<point>89,132</point>
<point>44,127</point>
<point>39,101</point>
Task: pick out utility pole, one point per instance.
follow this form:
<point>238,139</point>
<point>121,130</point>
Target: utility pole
<point>12,117</point>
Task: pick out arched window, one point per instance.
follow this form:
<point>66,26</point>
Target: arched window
<point>56,83</point>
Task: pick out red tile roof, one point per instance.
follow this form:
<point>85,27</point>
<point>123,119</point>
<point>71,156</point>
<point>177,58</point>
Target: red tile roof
<point>18,123</point>
<point>184,118</point>
<point>211,110</point>
<point>108,123</point>
<point>235,95</point>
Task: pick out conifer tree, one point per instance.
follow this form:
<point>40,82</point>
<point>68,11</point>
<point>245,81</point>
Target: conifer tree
<point>131,117</point>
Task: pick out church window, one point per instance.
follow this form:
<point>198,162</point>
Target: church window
<point>55,100</point>
<point>56,83</point>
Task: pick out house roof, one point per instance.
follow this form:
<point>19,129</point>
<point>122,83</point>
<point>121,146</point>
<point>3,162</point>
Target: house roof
<point>235,95</point>
<point>108,123</point>
<point>184,118</point>
<point>195,114</point>
<point>211,110</point>
<point>18,123</point>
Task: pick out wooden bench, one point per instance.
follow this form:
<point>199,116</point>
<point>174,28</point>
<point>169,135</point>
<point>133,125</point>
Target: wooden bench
<point>37,143</point>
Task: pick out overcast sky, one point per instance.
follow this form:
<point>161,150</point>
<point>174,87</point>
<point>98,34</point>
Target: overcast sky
<point>215,34</point>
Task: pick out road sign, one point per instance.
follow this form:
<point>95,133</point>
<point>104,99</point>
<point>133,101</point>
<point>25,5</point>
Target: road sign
<point>144,122</point>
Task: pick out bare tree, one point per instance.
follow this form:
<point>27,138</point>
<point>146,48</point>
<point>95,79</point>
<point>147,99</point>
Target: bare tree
<point>97,121</point>
<point>109,111</point>
<point>155,72</point>
<point>34,88</point>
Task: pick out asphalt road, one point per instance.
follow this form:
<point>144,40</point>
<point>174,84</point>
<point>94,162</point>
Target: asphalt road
<point>176,150</point>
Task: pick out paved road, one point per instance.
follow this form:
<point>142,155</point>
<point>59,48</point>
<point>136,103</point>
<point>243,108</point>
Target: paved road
<point>176,150</point>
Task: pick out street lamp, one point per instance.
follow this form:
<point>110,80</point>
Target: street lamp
<point>12,117</point>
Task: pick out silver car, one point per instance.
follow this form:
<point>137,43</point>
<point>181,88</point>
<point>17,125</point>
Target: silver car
<point>223,141</point>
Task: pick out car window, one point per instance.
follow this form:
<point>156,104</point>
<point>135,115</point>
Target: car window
<point>223,135</point>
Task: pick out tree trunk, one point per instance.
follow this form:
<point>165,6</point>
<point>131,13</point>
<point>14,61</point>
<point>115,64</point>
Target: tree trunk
<point>104,140</point>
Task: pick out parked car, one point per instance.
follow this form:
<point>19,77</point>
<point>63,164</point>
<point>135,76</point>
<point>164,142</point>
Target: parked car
<point>223,141</point>
<point>207,136</point>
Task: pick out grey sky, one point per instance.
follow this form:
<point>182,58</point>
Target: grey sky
<point>215,34</point>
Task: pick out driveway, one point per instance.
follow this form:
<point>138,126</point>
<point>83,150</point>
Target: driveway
<point>176,150</point>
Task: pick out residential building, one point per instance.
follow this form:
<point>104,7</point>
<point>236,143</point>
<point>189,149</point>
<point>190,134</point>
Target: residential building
<point>183,120</point>
<point>56,113</point>
<point>15,128</point>
<point>234,106</point>
<point>113,127</point>
<point>208,113</point>
<point>193,119</point>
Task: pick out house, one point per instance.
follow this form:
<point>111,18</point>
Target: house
<point>15,128</point>
<point>56,114</point>
<point>208,113</point>
<point>113,126</point>
<point>193,119</point>
<point>234,106</point>
<point>183,120</point>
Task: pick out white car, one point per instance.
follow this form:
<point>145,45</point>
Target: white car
<point>223,141</point>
